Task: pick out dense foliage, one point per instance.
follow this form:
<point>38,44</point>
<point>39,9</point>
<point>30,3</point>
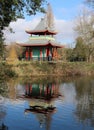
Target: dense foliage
<point>79,52</point>
<point>10,10</point>
<point>6,71</point>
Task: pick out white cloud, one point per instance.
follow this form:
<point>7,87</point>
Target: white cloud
<point>64,28</point>
<point>19,28</point>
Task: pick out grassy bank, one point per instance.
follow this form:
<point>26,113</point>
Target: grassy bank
<point>28,69</point>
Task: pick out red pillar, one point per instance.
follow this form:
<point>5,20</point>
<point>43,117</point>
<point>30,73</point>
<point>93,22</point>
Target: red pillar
<point>47,51</point>
<point>27,54</point>
<point>30,89</point>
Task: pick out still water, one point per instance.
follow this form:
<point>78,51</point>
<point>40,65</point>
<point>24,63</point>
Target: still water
<point>47,104</point>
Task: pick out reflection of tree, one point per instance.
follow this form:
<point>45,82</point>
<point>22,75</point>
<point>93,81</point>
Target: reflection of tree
<point>3,88</point>
<point>3,127</point>
<point>3,93</point>
<point>85,98</point>
<point>12,88</point>
<point>2,115</point>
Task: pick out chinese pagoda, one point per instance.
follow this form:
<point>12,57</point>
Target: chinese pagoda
<point>42,44</point>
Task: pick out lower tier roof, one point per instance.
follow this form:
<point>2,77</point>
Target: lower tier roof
<point>41,41</point>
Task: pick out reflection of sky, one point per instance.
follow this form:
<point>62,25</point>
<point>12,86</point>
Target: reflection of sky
<point>20,89</point>
<point>66,107</point>
<point>63,119</point>
<point>68,90</point>
<point>15,117</point>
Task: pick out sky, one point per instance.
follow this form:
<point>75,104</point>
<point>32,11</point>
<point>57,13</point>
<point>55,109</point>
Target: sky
<point>65,11</point>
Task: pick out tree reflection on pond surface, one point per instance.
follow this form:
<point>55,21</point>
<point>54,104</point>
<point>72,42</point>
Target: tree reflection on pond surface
<point>49,104</point>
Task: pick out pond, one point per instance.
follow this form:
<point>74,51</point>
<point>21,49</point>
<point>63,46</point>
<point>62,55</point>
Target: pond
<point>46,104</point>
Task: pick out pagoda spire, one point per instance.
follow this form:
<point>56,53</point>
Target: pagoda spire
<point>46,24</point>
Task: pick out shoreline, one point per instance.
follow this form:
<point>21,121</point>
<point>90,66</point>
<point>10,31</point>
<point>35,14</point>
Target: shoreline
<point>37,69</point>
<point>44,70</point>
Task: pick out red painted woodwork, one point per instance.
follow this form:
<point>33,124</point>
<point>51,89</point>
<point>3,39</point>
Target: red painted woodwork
<point>48,51</point>
<point>30,88</point>
<point>31,53</point>
<point>27,54</point>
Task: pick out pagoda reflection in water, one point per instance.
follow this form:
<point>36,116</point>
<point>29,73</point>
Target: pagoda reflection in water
<point>41,99</point>
<point>42,91</point>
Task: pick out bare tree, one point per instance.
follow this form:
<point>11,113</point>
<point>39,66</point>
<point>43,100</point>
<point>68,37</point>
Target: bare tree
<point>90,2</point>
<point>49,17</point>
<point>85,29</point>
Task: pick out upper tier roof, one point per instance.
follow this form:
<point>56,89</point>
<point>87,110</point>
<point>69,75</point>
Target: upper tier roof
<point>46,24</point>
<point>42,29</point>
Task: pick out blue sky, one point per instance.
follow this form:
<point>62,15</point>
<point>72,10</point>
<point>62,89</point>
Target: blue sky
<point>65,9</point>
<point>64,12</point>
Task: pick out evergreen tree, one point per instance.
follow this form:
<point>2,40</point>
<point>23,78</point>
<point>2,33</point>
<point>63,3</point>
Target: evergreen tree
<point>80,50</point>
<point>69,54</point>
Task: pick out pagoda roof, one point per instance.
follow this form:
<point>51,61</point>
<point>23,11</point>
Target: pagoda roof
<point>42,28</point>
<point>41,41</point>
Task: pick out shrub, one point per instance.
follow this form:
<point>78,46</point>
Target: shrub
<point>6,71</point>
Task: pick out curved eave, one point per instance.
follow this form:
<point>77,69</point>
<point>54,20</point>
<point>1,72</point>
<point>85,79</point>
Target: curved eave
<point>47,44</point>
<point>43,32</point>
